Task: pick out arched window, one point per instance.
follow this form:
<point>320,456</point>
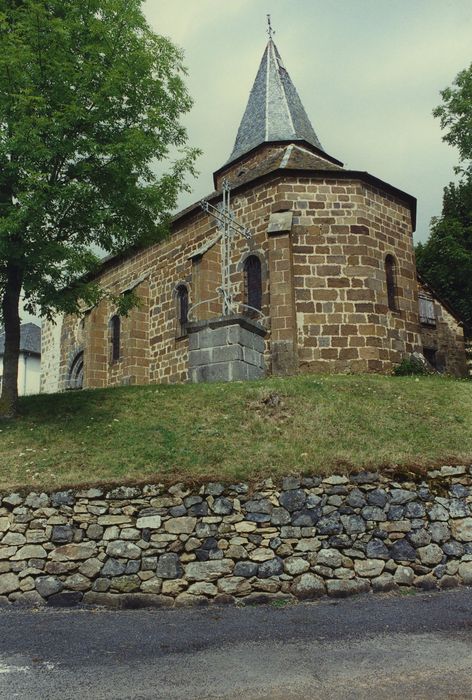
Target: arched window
<point>75,379</point>
<point>253,282</point>
<point>115,337</point>
<point>182,309</point>
<point>390,266</point>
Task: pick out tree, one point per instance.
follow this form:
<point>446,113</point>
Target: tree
<point>455,115</point>
<point>90,99</point>
<point>445,260</point>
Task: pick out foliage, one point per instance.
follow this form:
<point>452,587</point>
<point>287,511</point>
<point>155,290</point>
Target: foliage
<point>90,99</point>
<point>411,366</point>
<point>89,96</point>
<point>455,115</point>
<point>322,425</point>
<point>445,260</point>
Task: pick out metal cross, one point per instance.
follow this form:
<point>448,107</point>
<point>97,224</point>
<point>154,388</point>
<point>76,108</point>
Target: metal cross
<point>270,31</point>
<point>229,227</point>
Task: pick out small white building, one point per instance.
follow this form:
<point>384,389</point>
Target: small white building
<point>29,365</point>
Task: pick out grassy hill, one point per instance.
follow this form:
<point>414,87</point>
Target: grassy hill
<point>307,424</point>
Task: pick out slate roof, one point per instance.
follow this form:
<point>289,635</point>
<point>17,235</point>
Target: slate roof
<point>30,339</point>
<point>274,111</point>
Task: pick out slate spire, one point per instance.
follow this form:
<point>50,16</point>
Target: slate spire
<point>274,110</point>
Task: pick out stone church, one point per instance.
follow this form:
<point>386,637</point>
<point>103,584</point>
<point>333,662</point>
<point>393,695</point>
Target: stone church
<point>309,268</point>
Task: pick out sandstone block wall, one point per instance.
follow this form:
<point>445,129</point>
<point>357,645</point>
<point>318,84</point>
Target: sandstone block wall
<point>173,546</point>
<point>163,266</point>
<point>323,275</point>
<point>342,233</point>
<point>447,339</point>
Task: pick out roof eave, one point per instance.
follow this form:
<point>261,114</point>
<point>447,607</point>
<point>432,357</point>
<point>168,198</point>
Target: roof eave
<point>30,353</point>
<point>195,208</point>
<point>317,151</point>
<point>342,175</point>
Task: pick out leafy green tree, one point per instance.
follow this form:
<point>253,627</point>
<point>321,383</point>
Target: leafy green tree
<point>90,99</point>
<point>455,115</point>
<point>445,260</point>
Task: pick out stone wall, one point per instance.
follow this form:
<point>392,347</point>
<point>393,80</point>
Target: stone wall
<point>468,356</point>
<point>324,287</point>
<point>229,348</point>
<point>51,358</point>
<point>446,339</point>
<point>166,546</point>
<point>163,266</point>
<point>342,232</point>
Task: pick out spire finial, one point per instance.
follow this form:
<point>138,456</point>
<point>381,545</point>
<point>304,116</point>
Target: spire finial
<point>270,31</point>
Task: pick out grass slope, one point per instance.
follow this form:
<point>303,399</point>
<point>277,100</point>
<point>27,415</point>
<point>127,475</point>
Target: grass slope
<point>307,424</point>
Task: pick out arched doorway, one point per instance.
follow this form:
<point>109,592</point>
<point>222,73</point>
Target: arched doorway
<point>75,378</point>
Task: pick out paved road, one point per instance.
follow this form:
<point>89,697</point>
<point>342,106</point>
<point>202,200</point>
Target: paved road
<point>376,647</point>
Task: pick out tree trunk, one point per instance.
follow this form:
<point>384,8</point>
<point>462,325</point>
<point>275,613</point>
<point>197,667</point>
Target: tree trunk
<point>11,320</point>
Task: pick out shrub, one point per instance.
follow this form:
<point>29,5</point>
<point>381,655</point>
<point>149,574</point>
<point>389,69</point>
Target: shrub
<point>411,366</point>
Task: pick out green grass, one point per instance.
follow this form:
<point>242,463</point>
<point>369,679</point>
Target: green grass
<point>323,424</point>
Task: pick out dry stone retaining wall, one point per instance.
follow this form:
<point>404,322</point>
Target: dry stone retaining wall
<point>166,546</point>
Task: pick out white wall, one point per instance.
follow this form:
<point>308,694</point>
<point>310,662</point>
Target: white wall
<point>29,372</point>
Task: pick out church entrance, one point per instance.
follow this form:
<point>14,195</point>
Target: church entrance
<point>75,379</point>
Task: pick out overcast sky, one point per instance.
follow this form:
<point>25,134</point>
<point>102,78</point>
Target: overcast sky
<point>368,72</point>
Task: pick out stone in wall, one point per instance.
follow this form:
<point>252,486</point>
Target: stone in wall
<point>307,537</point>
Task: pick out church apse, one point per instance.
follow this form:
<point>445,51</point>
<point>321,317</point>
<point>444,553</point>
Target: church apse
<point>322,233</point>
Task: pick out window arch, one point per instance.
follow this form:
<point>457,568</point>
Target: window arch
<point>115,338</point>
<point>181,295</point>
<point>390,274</point>
<point>75,379</point>
<point>253,282</point>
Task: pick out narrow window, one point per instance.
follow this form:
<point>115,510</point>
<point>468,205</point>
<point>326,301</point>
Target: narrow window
<point>182,309</point>
<point>253,282</point>
<point>391,286</point>
<point>115,333</point>
<point>427,313</point>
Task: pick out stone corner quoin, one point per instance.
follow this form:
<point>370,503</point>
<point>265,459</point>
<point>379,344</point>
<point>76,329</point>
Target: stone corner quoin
<point>157,546</point>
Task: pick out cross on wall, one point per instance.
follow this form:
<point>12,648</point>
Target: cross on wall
<point>229,229</point>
